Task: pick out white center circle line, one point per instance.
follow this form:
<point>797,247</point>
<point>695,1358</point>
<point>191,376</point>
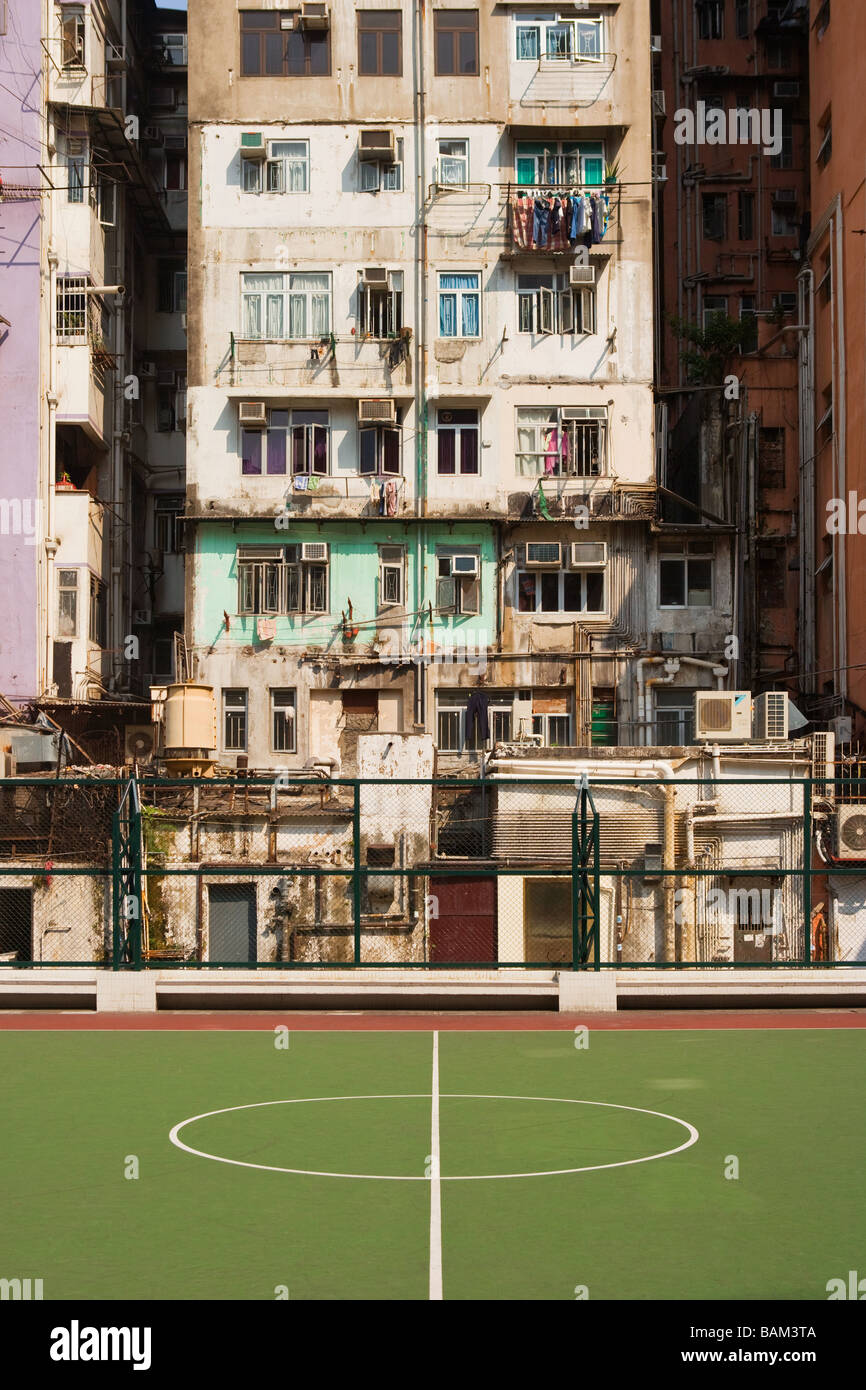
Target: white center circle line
<point>174,1136</point>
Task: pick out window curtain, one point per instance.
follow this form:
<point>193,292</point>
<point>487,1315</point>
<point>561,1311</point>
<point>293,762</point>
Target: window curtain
<point>531,426</point>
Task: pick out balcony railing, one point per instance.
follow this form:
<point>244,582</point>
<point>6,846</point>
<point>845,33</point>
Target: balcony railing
<point>550,218</point>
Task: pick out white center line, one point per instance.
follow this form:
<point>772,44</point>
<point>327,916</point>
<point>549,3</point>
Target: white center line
<point>435,1184</point>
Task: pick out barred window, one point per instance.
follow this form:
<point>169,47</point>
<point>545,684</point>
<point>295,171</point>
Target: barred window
<point>72,308</point>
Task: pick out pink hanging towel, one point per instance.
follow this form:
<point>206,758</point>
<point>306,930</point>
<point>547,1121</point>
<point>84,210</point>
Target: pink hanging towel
<point>521,220</point>
<point>552,451</point>
<point>391,497</point>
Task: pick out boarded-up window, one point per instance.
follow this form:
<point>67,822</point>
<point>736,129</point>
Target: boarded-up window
<point>771,458</point>
<point>360,701</point>
<point>771,575</point>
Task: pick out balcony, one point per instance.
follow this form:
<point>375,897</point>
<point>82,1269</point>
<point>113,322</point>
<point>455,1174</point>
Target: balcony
<point>543,220</point>
<point>574,80</point>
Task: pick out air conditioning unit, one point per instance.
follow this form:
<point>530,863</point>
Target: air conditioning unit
<point>770,716</point>
<point>376,276</point>
<point>543,555</point>
<point>166,376</point>
<point>786,91</point>
<point>842,728</point>
<point>581,275</point>
<point>374,412</point>
<point>287,21</point>
<point>315,551</point>
<point>147,369</point>
<point>521,719</point>
<point>115,55</point>
<point>175,142</point>
<point>723,716</point>
<point>252,413</point>
<point>142,617</point>
<point>253,145</point>
<point>139,743</point>
<point>313,16</point>
<point>588,554</point>
<point>784,195</point>
<point>824,765</point>
<point>659,102</point>
<point>153,135</point>
<point>376,145</point>
<point>464,566</point>
<point>851,832</point>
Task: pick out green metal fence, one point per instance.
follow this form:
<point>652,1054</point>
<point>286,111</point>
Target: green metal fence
<point>293,872</point>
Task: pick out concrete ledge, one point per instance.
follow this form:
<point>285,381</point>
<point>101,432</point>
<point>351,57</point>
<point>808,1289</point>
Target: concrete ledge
<point>125,992</point>
<point>587,991</point>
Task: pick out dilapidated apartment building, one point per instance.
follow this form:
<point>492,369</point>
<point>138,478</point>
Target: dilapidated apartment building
<point>421,488</point>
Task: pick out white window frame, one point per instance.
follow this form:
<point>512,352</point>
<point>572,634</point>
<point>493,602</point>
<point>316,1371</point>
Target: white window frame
<point>379,176</point>
<point>278,167</point>
<point>69,587</point>
<point>76,170</point>
<point>442,158</point>
<point>284,711</point>
<point>73,33</point>
<point>467,596</point>
<point>577,30</point>
<point>238,710</point>
<point>459,296</point>
<point>72,314</point>
<point>569,417</point>
<point>287,286</point>
<point>309,436</point>
<point>382,429</point>
<point>275,581</point>
<point>561,576</point>
<point>169,44</point>
<point>381,308</point>
<point>392,569</point>
<point>556,309</point>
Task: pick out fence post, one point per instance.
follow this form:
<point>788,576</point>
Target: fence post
<point>356,869</point>
<point>807,871</point>
<point>115,891</point>
<point>137,885</point>
<point>575,890</point>
<point>596,889</point>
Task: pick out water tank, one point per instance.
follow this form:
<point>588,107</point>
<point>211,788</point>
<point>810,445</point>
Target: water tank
<point>190,718</point>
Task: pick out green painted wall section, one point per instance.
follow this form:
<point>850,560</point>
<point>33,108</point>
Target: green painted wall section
<point>354,573</point>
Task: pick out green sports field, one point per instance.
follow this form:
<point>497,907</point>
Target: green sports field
<point>433,1150</point>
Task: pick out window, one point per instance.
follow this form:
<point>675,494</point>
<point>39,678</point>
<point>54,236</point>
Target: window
<point>741,17</point>
<point>168,525</point>
<point>715,216</point>
<point>282,579</point>
<point>675,717</point>
<point>458,581</point>
<point>172,49</point>
<point>97,611</point>
<point>686,574</point>
<point>286,170</point>
<point>268,50</point>
<point>566,40</point>
<point>267,449</point>
<point>171,287</point>
<point>76,163</point>
<point>380,307</point>
<point>457,442</point>
<point>785,158</point>
<point>392,565</point>
<point>560,590</point>
<point>452,164</point>
<point>460,305</point>
<point>771,457</point>
<point>784,215</point>
<point>559,162</point>
<point>509,714</point>
<point>379,450</point>
<point>561,441</point>
<point>715,307</point>
<point>456,40</point>
<point>825,146</point>
<point>72,32</point>
<point>779,56</point>
<point>546,304</point>
<point>175,170</point>
<point>72,308</point>
<point>380,43</point>
<point>170,400</point>
<point>67,603</point>
<point>283,731</point>
<point>163,657</point>
<point>711,19</point>
<point>380,177</point>
<point>281,306</point>
<point>772,574</point>
<point>786,302</point>
<point>746,219</point>
<point>749,317</point>
<point>235,720</point>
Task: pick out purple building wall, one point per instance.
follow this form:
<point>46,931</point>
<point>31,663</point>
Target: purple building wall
<point>20,235</point>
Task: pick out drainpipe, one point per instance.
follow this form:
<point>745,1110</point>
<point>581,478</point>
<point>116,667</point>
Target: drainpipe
<point>669,864</point>
<point>641,694</point>
<point>52,399</point>
<point>419,113</point>
<point>720,672</point>
<point>806,290</point>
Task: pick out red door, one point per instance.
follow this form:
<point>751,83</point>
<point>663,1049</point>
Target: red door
<point>462,920</point>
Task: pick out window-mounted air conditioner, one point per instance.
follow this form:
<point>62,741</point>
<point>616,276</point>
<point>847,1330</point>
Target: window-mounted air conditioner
<point>147,369</point>
<point>784,195</point>
<point>376,412</point>
<point>723,716</point>
<point>115,55</point>
<point>656,43</point>
<point>314,551</point>
<point>252,413</point>
<point>166,376</point>
<point>376,145</point>
<point>253,145</point>
<point>375,277</point>
<point>464,566</point>
<point>770,716</point>
<point>581,275</point>
<point>153,135</point>
<point>588,554</point>
<point>313,15</point>
<point>543,555</point>
<point>287,20</point>
<point>786,91</point>
<point>142,617</point>
<point>851,832</point>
